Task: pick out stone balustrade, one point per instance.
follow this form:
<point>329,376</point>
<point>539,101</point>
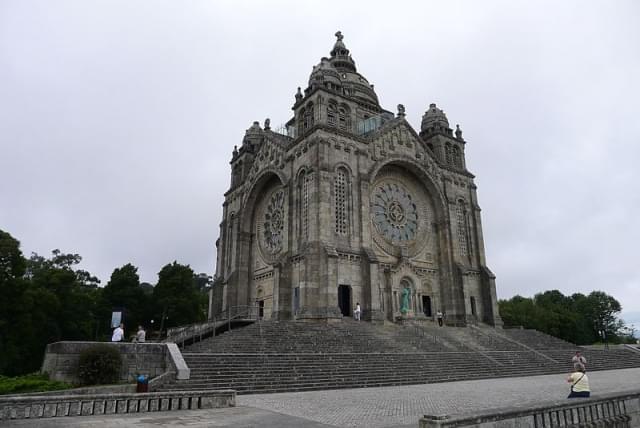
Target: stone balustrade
<point>48,406</point>
<point>615,410</point>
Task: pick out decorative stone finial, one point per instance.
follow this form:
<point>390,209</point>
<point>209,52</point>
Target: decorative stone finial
<point>458,132</point>
<point>298,94</point>
<point>267,124</point>
<point>235,151</point>
<point>400,110</point>
<point>339,36</point>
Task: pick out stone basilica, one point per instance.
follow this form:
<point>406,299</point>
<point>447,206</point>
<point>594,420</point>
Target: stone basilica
<point>348,203</point>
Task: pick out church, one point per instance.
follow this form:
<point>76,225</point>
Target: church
<point>348,204</point>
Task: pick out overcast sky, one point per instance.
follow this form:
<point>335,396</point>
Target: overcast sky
<point>118,118</point>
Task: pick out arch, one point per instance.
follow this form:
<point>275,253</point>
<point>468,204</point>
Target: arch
<point>256,189</point>
<point>439,200</point>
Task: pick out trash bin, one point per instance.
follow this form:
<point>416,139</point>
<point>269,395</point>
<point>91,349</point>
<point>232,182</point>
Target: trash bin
<point>142,384</point>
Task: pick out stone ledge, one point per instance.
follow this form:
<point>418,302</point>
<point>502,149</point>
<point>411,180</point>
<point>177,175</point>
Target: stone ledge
<point>21,407</point>
<point>621,409</point>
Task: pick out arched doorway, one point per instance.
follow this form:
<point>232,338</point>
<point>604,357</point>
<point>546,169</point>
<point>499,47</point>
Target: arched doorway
<point>344,300</point>
<point>426,306</point>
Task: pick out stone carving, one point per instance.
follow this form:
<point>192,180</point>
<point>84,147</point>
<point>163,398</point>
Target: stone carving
<point>401,110</point>
<point>273,224</point>
<point>395,215</point>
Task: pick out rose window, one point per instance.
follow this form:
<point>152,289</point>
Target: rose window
<point>273,225</point>
<point>394,213</point>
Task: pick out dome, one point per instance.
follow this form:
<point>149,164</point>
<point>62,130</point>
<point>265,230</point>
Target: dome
<point>434,117</point>
<point>339,73</point>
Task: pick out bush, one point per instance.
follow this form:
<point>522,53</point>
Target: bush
<point>34,382</point>
<point>99,364</point>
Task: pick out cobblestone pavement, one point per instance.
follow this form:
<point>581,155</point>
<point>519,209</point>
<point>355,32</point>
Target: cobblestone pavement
<point>370,407</point>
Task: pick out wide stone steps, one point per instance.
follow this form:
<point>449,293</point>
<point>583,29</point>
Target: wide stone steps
<point>276,356</point>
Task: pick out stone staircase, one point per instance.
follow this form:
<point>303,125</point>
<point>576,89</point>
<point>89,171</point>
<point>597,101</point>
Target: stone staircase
<point>280,356</point>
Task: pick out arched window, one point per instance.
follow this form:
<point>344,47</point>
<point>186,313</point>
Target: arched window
<point>448,154</point>
<point>341,186</point>
<point>304,187</point>
<point>301,121</point>
<point>344,117</point>
<point>457,159</point>
<point>307,119</point>
<point>463,237</point>
<point>331,114</point>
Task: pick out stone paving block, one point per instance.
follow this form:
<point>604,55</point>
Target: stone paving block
<point>99,407</point>
<point>86,408</point>
<point>110,407</point>
<point>49,410</point>
<point>121,406</point>
<point>143,405</point>
<point>154,404</point>
<point>74,408</point>
<point>164,404</point>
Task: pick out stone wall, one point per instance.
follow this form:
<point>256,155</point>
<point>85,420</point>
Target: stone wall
<point>150,359</point>
<point>35,407</point>
<point>619,410</point>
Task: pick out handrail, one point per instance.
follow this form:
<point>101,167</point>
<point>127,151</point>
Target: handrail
<point>183,333</point>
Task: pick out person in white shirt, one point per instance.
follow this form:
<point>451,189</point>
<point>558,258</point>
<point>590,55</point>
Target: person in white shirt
<point>118,334</point>
<point>356,313</point>
<point>140,335</point>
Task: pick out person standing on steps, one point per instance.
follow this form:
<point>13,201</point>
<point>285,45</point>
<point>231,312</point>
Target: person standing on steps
<point>356,313</point>
<point>579,361</point>
<point>439,317</point>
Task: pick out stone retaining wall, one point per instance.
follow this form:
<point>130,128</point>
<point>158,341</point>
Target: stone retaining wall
<point>23,407</point>
<point>616,410</point>
<point>150,359</point>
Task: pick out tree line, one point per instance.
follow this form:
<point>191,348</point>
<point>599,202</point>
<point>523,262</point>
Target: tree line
<point>580,319</point>
<point>48,299</point>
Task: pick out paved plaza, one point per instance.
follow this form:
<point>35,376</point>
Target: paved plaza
<point>400,406</point>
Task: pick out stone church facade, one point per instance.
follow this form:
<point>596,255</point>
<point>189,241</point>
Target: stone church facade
<point>351,204</point>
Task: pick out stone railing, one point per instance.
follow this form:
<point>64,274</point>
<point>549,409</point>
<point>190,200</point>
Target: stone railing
<point>34,407</point>
<point>61,360</point>
<point>616,410</point>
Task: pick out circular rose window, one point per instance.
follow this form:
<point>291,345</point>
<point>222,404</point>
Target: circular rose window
<point>394,213</point>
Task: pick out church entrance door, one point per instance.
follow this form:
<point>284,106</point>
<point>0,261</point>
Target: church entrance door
<point>261,309</point>
<point>426,306</point>
<point>344,300</point>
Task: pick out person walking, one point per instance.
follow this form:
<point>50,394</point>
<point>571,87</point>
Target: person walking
<point>356,313</point>
<point>118,333</point>
<point>439,317</point>
<point>579,384</point>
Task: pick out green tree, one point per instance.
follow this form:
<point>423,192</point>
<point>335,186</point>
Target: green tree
<point>176,296</point>
<point>577,318</point>
<point>125,291</point>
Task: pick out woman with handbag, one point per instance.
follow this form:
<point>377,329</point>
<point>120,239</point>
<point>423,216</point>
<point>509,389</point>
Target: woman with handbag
<point>579,383</point>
